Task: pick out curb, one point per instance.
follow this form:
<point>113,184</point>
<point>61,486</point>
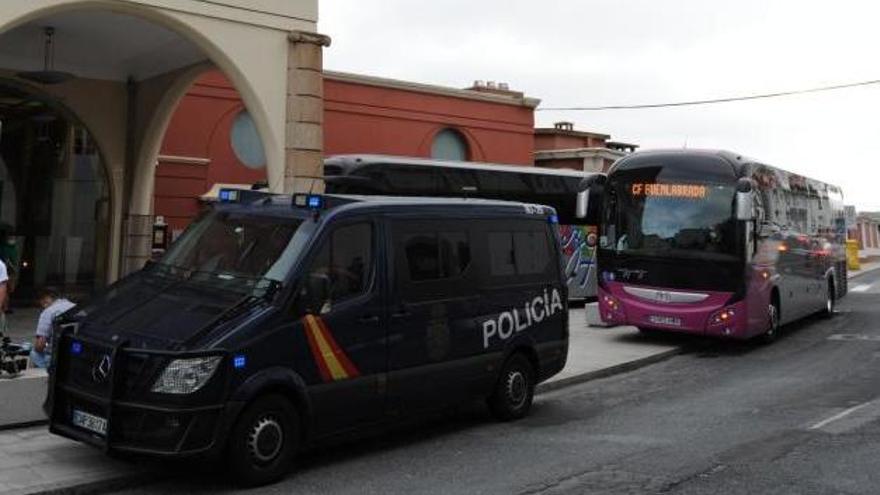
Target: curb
<point>607,372</point>
<point>94,487</point>
<point>861,273</point>
<point>128,481</point>
<point>26,424</point>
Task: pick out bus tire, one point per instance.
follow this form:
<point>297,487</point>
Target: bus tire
<point>263,442</point>
<point>772,332</point>
<point>830,300</point>
<point>515,390</point>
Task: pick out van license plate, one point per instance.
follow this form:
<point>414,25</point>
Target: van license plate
<point>665,320</point>
<point>86,421</point>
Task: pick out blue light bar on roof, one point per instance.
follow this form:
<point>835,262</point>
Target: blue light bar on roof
<point>310,201</point>
<point>229,195</point>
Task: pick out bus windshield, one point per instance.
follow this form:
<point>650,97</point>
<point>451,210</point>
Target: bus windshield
<point>686,219</point>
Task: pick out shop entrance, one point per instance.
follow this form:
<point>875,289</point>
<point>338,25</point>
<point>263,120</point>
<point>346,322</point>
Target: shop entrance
<point>54,198</point>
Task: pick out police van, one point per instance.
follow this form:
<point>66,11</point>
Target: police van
<point>275,322</point>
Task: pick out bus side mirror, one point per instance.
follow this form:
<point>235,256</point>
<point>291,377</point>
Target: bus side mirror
<point>589,197</point>
<point>583,204</point>
<point>745,200</point>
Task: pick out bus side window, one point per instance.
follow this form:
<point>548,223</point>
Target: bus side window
<point>341,270</point>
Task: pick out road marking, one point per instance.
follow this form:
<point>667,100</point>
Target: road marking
<point>854,336</point>
<point>862,288</point>
<point>850,419</point>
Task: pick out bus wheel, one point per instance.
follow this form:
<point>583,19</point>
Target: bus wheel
<point>515,390</point>
<point>830,300</point>
<point>263,441</point>
<point>773,326</point>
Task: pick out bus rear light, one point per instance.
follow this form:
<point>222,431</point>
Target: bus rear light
<point>725,316</point>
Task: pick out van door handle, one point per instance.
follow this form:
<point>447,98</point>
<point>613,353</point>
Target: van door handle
<point>369,319</point>
<point>401,314</point>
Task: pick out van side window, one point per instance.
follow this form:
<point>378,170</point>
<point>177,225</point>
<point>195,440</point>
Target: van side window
<point>501,254</point>
<point>436,255</point>
<point>341,269</point>
<point>518,254</point>
<point>531,251</point>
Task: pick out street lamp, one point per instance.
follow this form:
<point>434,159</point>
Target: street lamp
<point>48,75</point>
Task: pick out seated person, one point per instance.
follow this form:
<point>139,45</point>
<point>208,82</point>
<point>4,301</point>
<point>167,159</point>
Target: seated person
<point>53,305</point>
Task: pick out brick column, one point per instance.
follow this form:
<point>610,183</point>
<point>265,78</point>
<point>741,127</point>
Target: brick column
<point>304,142</point>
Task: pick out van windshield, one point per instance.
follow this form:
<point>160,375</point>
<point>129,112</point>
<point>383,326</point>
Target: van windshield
<point>223,246</point>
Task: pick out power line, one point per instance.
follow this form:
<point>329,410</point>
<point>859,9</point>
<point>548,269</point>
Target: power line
<point>715,100</point>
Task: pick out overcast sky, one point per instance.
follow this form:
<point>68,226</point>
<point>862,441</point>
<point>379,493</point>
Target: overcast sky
<point>595,52</point>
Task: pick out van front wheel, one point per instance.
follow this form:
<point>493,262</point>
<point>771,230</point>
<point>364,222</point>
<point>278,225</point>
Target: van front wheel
<point>513,394</point>
<point>263,441</point>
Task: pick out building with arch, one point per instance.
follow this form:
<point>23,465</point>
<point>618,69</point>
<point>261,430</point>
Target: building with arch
<point>209,141</point>
<point>87,91</point>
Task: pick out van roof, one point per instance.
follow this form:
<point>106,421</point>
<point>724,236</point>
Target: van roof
<point>278,203</point>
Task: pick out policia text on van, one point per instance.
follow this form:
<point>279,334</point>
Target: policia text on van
<point>277,321</point>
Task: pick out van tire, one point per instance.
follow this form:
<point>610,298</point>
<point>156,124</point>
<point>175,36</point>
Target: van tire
<point>513,394</point>
<point>255,454</point>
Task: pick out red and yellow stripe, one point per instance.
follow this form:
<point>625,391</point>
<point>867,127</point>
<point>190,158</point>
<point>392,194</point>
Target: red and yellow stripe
<point>333,363</point>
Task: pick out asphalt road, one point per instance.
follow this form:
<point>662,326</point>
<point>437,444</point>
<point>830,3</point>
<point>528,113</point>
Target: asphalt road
<point>801,416</point>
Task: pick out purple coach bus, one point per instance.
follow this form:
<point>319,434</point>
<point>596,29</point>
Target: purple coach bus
<point>714,243</point>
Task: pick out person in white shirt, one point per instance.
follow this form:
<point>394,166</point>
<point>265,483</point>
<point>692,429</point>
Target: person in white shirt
<point>4,294</point>
<point>53,305</point>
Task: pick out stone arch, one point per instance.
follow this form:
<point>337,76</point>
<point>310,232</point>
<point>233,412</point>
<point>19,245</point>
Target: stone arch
<point>238,49</point>
<point>185,26</point>
<point>107,192</point>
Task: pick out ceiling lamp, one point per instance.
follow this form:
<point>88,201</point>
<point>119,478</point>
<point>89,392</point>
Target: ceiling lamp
<point>48,75</point>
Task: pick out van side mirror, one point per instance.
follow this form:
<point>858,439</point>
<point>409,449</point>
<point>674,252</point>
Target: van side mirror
<point>745,200</point>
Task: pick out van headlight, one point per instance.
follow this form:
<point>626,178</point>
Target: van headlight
<point>185,376</point>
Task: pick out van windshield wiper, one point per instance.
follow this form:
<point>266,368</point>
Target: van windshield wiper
<point>238,308</point>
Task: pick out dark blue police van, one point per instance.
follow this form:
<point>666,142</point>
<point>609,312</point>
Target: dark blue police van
<point>277,321</point>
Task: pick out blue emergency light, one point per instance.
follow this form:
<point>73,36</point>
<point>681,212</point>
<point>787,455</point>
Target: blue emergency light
<point>228,195</point>
<point>239,361</point>
<point>553,219</point>
<point>76,348</point>
<point>310,201</point>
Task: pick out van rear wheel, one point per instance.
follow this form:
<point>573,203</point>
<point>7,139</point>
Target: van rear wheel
<point>263,441</point>
<point>513,394</point>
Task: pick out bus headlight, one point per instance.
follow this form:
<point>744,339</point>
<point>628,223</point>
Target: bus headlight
<point>725,316</point>
<point>185,376</point>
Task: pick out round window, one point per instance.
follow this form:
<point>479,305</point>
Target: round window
<point>449,144</point>
<point>246,142</point>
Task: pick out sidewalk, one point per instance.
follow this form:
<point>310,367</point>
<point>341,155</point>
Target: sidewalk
<point>866,268</point>
<point>33,461</point>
